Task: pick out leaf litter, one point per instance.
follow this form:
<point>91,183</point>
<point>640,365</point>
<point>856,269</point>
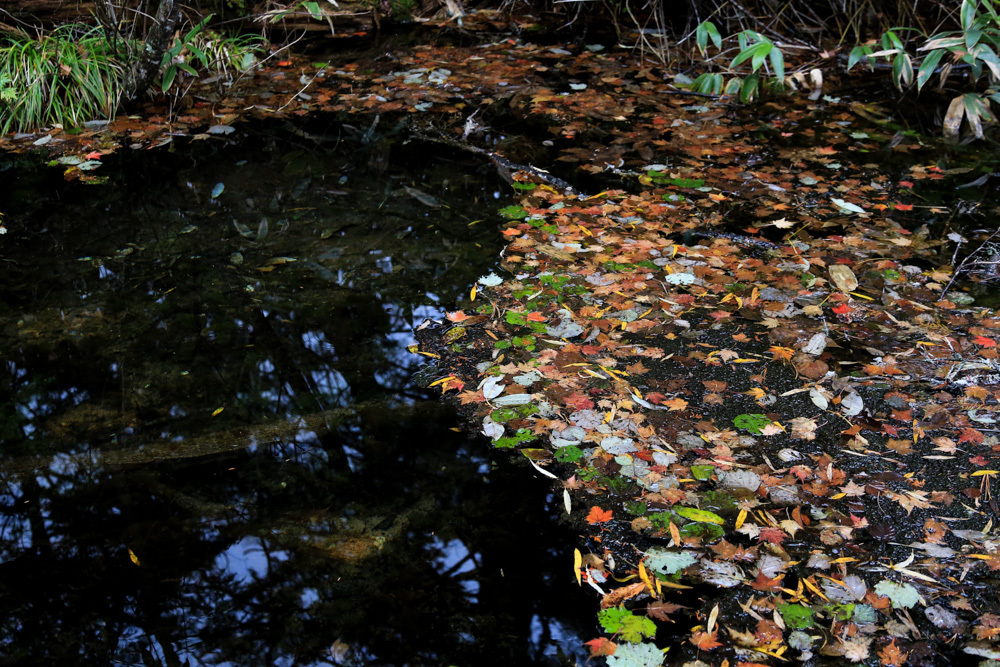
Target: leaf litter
<point>743,371</point>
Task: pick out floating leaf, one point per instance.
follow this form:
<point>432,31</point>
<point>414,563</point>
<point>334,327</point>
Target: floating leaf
<point>702,472</point>
<point>701,516</point>
<point>847,206</point>
<point>796,616</point>
<point>217,190</point>
<point>643,654</point>
<point>843,278</point>
<point>491,280</point>
<point>666,561</point>
<point>679,279</point>
<point>625,624</point>
<point>852,404</point>
<point>752,422</point>
<point>615,445</point>
<point>901,595</point>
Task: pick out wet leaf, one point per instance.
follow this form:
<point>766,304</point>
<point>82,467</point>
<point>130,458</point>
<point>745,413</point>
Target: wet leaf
<point>625,624</point>
<point>843,278</point>
<point>902,596</point>
<point>796,616</point>
<point>643,654</point>
<point>698,515</point>
<point>598,515</point>
<point>752,422</point>
<point>666,561</point>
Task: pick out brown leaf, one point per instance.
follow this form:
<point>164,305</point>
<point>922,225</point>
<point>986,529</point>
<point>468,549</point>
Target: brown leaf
<point>661,610</point>
<point>900,446</point>
<point>715,386</point>
<point>619,595</point>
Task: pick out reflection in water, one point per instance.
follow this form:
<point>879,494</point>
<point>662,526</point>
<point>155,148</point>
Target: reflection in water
<point>212,448</point>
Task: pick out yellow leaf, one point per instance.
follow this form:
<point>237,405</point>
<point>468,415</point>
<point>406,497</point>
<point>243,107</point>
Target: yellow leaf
<point>645,579</point>
<point>132,557</point>
<point>739,519</point>
<point>577,562</point>
<point>815,589</point>
<point>980,473</point>
<point>472,295</point>
<point>670,584</point>
<point>217,411</point>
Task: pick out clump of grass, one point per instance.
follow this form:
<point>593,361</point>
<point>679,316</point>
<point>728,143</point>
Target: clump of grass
<point>65,77</point>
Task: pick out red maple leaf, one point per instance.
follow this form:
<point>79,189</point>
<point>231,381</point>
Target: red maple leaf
<point>601,646</point>
<point>970,435</point>
<point>578,401</point>
<point>598,515</point>
<point>903,207</point>
<point>773,535</point>
<point>984,341</point>
<point>842,309</point>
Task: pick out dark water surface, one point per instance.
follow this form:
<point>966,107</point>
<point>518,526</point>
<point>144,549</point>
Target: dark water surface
<point>212,450</point>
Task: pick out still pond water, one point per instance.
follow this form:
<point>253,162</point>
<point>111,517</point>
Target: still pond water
<point>213,447</point>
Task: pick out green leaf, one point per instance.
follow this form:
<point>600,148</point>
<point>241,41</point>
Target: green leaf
<point>902,69</point>
<point>701,516</point>
<point>313,9</point>
<point>666,561</point>
<point>709,84</point>
<point>702,473</point>
<point>778,64</point>
<point>748,88</point>
<point>752,422</point>
<point>569,454</point>
<point>760,52</point>
<point>168,78</point>
<point>626,625</point>
<point>968,13</point>
<point>796,616</point>
<point>704,31</point>
<point>706,532</point>
<point>744,55</point>
<point>513,212</point>
<point>901,595</point>
<point>858,53</point>
<point>928,66</point>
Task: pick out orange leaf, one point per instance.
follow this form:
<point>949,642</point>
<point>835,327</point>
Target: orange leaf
<point>781,353</point>
<point>535,317</point>
<point>891,656</point>
<point>704,640</point>
<point>457,316</point>
<point>676,404</point>
<point>984,341</point>
<point>903,207</point>
<point>597,515</point>
<point>452,382</point>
